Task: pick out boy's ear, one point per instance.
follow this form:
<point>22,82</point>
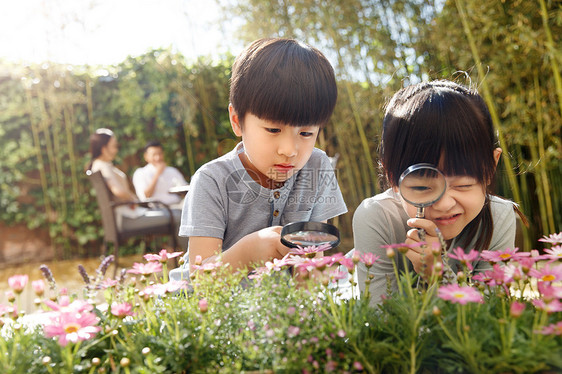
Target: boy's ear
<point>234,120</point>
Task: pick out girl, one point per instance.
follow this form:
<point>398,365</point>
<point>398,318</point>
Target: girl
<point>447,125</point>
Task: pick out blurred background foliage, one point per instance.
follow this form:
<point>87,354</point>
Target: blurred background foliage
<point>510,50</point>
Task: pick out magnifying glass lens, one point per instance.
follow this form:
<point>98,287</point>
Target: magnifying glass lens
<point>306,234</point>
<point>422,185</point>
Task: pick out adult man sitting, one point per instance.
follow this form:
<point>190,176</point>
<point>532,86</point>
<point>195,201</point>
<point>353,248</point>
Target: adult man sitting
<point>154,180</point>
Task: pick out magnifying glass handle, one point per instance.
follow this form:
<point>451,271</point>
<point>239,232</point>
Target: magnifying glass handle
<point>420,213</point>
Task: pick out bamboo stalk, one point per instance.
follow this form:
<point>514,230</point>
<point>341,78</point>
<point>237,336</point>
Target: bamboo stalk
<point>542,168</point>
<point>90,105</point>
<point>71,153</point>
<point>489,101</point>
<point>39,154</point>
<point>44,127</point>
<point>552,49</point>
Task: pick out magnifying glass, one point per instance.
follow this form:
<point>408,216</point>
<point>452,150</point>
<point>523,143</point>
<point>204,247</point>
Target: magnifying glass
<point>422,185</point>
<point>305,234</point>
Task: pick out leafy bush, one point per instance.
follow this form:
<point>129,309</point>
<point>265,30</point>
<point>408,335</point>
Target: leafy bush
<point>507,319</point>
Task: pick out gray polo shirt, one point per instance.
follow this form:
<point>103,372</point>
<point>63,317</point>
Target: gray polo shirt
<point>225,202</point>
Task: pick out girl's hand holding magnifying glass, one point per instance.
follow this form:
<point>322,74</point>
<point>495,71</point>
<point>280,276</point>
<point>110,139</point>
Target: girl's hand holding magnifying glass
<point>423,257</point>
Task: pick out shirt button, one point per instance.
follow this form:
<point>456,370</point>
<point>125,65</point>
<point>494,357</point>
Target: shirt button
<point>276,194</point>
<point>275,213</point>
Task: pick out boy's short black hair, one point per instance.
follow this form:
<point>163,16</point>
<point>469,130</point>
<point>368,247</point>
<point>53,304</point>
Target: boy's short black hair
<point>152,143</point>
<point>283,81</point>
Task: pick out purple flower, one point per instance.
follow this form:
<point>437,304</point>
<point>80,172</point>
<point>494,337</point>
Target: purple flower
<point>462,295</point>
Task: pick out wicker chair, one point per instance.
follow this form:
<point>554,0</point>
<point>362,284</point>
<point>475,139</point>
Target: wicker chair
<point>107,204</point>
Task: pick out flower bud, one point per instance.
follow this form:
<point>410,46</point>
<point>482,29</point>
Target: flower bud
<point>461,277</point>
<point>203,305</point>
<point>403,249</point>
<point>46,360</point>
<point>436,311</point>
<point>125,362</point>
<point>96,361</point>
<point>390,253</point>
<point>146,351</point>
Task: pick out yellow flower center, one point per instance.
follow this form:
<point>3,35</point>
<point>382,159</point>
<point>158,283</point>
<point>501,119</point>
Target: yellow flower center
<point>505,255</point>
<point>458,295</point>
<point>548,278</point>
<point>71,327</point>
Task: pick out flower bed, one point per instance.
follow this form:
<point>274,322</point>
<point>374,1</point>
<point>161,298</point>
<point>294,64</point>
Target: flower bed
<point>224,322</point>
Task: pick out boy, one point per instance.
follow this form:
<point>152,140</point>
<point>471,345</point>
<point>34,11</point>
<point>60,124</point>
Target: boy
<point>282,93</point>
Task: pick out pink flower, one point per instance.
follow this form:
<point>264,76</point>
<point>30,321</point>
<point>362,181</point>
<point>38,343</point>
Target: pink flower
<point>348,263</point>
<point>357,366</point>
<point>494,277</point>
<point>207,266</point>
<point>336,275</point>
<point>162,257</point>
<point>554,253</point>
<point>145,269</point>
<point>161,289</point>
<point>72,327</point>
<point>462,295</point>
<point>516,309</point>
<point>38,287</point>
<point>503,256</point>
<point>550,307</point>
<point>549,292</point>
<point>108,283</point>
<point>311,250</point>
<point>122,310</point>
<point>527,263</point>
<point>65,306</point>
<point>293,331</point>
<point>277,264</point>
<point>547,274</point>
<point>465,258</point>
<point>258,273</point>
<point>552,329</point>
<point>369,259</point>
<point>553,238</point>
<point>18,282</point>
<point>203,305</point>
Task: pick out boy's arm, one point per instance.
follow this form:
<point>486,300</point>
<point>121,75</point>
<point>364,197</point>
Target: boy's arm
<point>255,248</point>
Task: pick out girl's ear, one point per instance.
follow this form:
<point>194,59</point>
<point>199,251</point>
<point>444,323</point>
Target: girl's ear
<point>234,120</point>
<point>497,154</point>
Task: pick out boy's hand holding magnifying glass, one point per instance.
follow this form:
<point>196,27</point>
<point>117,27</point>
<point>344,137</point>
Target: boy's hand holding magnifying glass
<point>422,185</point>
